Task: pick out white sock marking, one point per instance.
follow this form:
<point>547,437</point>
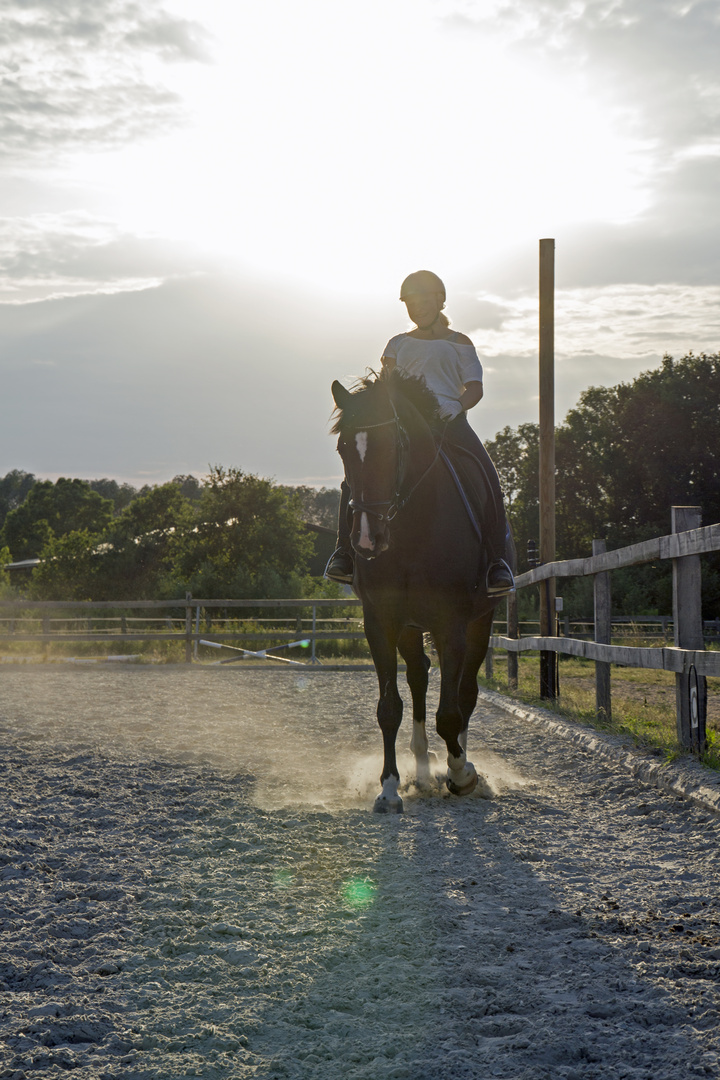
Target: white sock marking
<point>419,740</point>
<point>390,788</point>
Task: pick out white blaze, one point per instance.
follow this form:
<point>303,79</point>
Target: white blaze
<point>365,540</point>
<point>361,444</point>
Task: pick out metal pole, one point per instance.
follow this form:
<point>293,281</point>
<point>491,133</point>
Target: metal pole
<point>548,660</point>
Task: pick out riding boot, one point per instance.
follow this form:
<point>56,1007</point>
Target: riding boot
<point>341,564</point>
<point>499,580</point>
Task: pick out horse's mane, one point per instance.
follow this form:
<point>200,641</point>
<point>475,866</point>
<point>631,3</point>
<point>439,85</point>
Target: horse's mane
<point>372,387</point>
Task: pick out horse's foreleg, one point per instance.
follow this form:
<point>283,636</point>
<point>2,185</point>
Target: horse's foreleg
<point>478,637</point>
<point>411,649</point>
<point>451,723</point>
<point>389,712</point>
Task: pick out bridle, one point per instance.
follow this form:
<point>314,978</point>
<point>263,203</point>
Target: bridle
<point>385,510</point>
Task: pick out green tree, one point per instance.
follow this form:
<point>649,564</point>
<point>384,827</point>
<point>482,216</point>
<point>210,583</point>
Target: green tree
<point>14,488</point>
<point>121,495</point>
<point>128,561</point>
<point>68,568</point>
<point>135,546</point>
<point>247,540</point>
<point>319,506</point>
<point>6,590</point>
<point>515,454</point>
<point>624,456</point>
<point>189,486</point>
<point>54,510</point>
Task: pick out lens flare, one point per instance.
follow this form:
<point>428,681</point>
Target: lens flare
<point>359,892</point>
<point>283,879</point>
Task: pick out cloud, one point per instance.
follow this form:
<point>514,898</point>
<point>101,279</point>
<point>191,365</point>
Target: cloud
<point>479,312</point>
<point>145,385</point>
<point>654,63</point>
<point>623,320</point>
<point>83,73</point>
<point>152,383</point>
<point>656,59</point>
<point>51,255</point>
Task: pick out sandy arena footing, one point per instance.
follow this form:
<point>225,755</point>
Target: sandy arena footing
<point>192,884</point>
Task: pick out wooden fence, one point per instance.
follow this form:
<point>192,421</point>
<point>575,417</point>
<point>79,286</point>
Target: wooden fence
<point>687,658</point>
<point>89,621</point>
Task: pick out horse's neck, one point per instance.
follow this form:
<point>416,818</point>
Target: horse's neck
<point>423,450</point>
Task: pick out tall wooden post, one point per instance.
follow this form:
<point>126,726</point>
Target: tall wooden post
<point>602,597</point>
<point>690,689</point>
<point>548,660</point>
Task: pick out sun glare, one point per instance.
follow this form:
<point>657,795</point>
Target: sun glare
<point>329,139</point>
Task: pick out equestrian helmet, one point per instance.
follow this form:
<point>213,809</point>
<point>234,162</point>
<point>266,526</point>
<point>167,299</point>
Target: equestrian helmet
<point>421,281</point>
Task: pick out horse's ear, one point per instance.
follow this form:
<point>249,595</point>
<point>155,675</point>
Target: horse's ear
<point>340,395</point>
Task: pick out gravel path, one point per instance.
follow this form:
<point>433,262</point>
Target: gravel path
<point>191,884</point>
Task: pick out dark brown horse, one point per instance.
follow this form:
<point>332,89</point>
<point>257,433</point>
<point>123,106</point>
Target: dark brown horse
<point>420,565</point>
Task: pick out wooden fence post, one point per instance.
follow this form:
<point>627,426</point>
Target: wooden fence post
<point>690,689</point>
<point>489,663</point>
<point>188,629</point>
<point>548,660</point>
<point>512,632</point>
<point>602,604</point>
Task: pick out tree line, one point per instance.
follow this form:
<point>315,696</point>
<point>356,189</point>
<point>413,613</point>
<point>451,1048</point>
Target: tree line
<point>624,455</point>
<point>231,535</point>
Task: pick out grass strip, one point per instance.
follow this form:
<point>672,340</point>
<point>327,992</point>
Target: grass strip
<point>643,702</point>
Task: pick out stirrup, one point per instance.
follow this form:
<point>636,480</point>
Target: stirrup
<point>340,567</point>
<point>502,588</point>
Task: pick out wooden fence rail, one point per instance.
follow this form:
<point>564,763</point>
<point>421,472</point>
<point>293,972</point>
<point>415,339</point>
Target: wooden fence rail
<point>688,658</point>
<point>13,612</point>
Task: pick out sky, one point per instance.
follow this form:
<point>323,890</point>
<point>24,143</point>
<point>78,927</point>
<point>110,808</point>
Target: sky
<point>208,206</point>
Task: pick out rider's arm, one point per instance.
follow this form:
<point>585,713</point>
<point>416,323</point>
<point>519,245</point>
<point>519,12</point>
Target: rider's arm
<point>470,396</point>
<point>388,363</point>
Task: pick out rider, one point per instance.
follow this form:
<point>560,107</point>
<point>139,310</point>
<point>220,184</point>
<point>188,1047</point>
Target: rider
<point>452,370</point>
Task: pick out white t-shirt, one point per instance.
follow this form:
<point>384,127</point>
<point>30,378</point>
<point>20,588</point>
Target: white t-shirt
<point>446,366</point>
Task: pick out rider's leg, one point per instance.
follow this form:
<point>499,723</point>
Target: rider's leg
<point>341,565</point>
<point>499,575</point>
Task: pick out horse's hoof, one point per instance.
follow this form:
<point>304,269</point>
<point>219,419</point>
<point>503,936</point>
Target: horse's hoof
<point>454,789</point>
<point>385,805</point>
<point>423,784</point>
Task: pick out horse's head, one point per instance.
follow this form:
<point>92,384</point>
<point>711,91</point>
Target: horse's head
<point>372,425</point>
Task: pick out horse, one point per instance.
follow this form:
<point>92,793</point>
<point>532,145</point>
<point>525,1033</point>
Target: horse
<point>420,566</point>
